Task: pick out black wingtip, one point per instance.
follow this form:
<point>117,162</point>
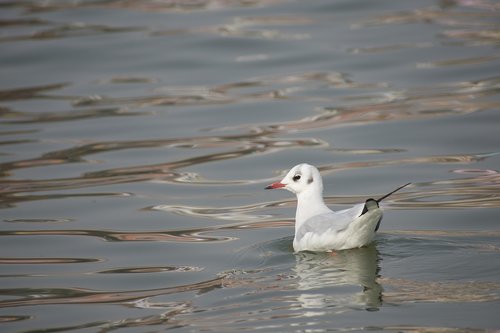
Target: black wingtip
<point>369,204</point>
<point>374,203</point>
<point>390,193</point>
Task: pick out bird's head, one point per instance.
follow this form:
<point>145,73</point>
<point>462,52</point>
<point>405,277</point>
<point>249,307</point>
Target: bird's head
<point>300,179</point>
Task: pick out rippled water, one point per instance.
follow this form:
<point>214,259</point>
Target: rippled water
<point>137,138</point>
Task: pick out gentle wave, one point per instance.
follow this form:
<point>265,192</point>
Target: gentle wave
<point>118,155</point>
<point>33,296</point>
<point>43,261</point>
<point>191,235</point>
<point>186,235</point>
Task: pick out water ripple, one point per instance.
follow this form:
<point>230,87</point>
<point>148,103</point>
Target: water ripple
<point>29,92</point>
<point>402,290</point>
<point>144,5</point>
<point>34,296</point>
<point>151,269</point>
<point>188,235</point>
<point>185,235</point>
<point>38,220</point>
<point>70,30</point>
<point>43,261</point>
<point>440,16</point>
<point>169,93</point>
<point>29,118</point>
<point>239,213</point>
<point>418,103</point>
<point>165,172</point>
<point>12,318</point>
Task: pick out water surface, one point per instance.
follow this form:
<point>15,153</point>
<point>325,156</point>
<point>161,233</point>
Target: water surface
<point>136,139</point>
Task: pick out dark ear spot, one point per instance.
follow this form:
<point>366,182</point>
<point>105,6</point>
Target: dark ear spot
<point>310,180</point>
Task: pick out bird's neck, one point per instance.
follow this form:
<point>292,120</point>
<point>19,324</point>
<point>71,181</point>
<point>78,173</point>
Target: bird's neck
<point>309,204</point>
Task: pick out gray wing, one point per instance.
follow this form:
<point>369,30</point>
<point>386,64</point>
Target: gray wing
<point>332,221</point>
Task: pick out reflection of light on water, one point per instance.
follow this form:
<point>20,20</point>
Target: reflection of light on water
<point>44,296</point>
<point>341,271</point>
<point>274,291</point>
<point>402,290</point>
<point>225,213</point>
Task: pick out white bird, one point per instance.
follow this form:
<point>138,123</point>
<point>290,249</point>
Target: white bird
<point>317,227</point>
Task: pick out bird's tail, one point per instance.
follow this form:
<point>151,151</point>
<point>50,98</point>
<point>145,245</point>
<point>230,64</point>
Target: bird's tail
<point>374,203</point>
<point>390,193</point>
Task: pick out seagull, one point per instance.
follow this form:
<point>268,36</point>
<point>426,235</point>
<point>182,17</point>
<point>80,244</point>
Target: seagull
<point>317,227</point>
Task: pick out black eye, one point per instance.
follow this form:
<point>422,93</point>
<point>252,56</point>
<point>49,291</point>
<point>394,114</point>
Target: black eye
<point>296,177</point>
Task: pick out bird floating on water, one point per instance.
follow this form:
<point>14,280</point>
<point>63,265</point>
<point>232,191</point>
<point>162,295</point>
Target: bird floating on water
<point>317,227</point>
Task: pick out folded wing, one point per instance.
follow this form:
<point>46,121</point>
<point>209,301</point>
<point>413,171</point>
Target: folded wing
<point>331,221</point>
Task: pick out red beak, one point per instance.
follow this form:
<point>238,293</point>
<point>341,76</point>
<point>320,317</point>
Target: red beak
<point>275,186</point>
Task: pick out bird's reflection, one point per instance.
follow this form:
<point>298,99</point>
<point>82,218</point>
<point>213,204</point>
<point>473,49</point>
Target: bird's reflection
<point>345,278</point>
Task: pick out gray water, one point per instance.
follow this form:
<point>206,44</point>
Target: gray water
<point>137,138</point>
